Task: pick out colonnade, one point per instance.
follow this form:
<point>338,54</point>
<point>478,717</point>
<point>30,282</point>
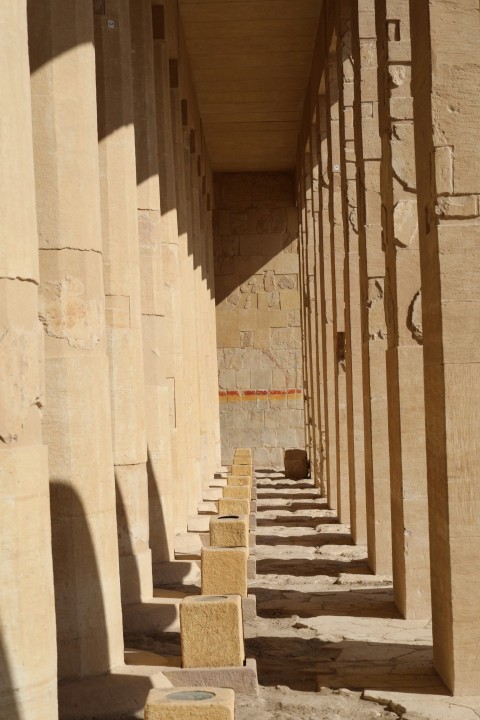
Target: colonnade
<point>109,394</point>
<point>388,186</point>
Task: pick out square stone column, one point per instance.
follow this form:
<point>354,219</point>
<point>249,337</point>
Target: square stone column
<point>28,653</point>
<point>372,287</point>
<point>353,331</point>
<point>76,418</point>
<point>406,423</point>
<point>445,75</point>
<point>337,258</point>
<point>121,271</point>
<point>328,334</point>
<point>163,379</point>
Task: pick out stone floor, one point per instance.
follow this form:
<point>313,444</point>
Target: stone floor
<point>328,640</point>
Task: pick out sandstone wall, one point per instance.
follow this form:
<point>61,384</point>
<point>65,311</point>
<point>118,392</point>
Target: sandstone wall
<point>258,315</point>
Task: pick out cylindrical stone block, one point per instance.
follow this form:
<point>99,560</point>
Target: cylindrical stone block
<point>211,631</point>
<point>224,571</point>
<point>196,703</point>
<point>232,506</point>
<point>229,531</point>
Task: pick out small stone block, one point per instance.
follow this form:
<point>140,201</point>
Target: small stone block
<point>233,506</point>
<point>243,451</point>
<point>253,506</point>
<point>190,703</point>
<point>224,571</point>
<point>241,492</point>
<point>253,493</point>
<point>243,460</point>
<point>253,521</point>
<point>252,568</point>
<point>241,470</point>
<point>211,631</point>
<point>229,531</point>
<point>245,480</point>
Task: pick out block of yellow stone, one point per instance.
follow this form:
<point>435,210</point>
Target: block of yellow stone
<point>233,506</point>
<point>190,703</point>
<point>242,460</point>
<point>239,480</point>
<point>224,571</point>
<point>240,492</point>
<point>241,470</point>
<point>211,631</point>
<point>229,531</point>
<point>243,451</point>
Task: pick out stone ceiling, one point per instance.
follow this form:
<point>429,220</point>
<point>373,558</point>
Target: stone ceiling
<point>251,62</point>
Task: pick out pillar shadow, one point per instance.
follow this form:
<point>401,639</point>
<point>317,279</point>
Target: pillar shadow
<point>309,568</point>
<point>8,702</point>
<point>307,664</point>
<point>79,601</point>
<point>361,603</point>
<point>125,546</point>
<point>287,520</point>
<point>317,540</point>
<point>293,496</point>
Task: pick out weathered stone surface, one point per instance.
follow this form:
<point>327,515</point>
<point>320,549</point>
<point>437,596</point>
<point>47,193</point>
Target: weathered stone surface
<point>222,645</point>
<point>229,531</point>
<point>224,571</point>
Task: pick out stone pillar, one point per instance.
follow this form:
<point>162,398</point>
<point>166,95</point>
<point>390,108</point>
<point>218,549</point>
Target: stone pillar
<point>337,257</point>
<point>181,145</point>
<point>161,386</point>
<point>166,73</point>
<point>406,424</point>
<point>312,272</point>
<point>76,421</point>
<point>118,199</point>
<point>353,333</point>
<point>28,660</point>
<point>328,337</point>
<point>305,234</point>
<point>445,71</point>
<point>372,280</point>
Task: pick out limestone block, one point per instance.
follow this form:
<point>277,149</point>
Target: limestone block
<point>196,703</point>
<point>229,531</point>
<point>211,631</point>
<point>244,480</point>
<point>241,470</point>
<point>240,459</point>
<point>224,571</point>
<point>237,492</point>
<point>245,452</point>
<point>233,506</point>
<point>296,464</point>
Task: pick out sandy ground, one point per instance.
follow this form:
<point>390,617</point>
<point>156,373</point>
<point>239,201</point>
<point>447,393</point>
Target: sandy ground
<point>327,638</point>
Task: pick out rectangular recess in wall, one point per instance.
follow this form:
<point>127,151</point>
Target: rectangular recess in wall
<point>184,110</point>
<point>393,30</point>
<point>173,72</point>
<point>340,347</point>
<point>99,7</point>
<point>193,141</point>
<point>158,22</point>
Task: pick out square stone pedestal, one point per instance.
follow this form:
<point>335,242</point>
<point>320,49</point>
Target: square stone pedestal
<point>233,506</point>
<point>237,492</point>
<point>211,632</point>
<point>245,480</point>
<point>224,571</point>
<point>229,531</point>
